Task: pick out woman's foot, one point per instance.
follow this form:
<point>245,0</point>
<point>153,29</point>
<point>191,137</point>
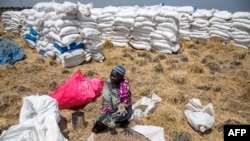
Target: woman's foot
<point>98,127</point>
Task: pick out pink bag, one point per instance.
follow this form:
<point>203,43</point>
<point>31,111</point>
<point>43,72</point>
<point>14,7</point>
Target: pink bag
<point>77,91</point>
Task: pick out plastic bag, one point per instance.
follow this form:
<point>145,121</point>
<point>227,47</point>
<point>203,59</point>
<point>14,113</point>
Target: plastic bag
<point>77,91</point>
<point>199,117</point>
<point>150,103</point>
<point>154,133</point>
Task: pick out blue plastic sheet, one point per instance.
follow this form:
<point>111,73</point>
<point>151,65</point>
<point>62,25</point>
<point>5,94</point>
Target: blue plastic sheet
<point>10,51</point>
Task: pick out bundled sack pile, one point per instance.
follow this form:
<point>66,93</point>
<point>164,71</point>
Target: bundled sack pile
<point>220,25</point>
<point>74,33</point>
<point>185,20</point>
<point>64,31</point>
<point>11,21</point>
<point>240,29</point>
<point>143,26</point>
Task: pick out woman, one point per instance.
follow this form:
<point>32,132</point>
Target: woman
<point>116,101</point>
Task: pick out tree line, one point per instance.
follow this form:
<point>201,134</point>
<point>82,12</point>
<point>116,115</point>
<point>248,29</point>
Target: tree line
<point>14,8</point>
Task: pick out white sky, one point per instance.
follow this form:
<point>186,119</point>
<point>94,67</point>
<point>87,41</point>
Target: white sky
<point>228,5</point>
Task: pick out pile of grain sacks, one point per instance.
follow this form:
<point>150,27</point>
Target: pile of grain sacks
<point>73,33</point>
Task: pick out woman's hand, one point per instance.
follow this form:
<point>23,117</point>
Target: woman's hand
<point>122,111</point>
<point>110,122</point>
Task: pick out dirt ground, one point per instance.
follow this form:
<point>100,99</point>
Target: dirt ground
<point>212,72</point>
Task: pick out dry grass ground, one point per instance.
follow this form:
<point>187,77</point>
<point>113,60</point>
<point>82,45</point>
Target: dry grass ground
<point>211,71</point>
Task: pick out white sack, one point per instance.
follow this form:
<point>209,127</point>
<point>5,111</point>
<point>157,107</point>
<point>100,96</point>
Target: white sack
<point>68,8</point>
<point>88,25</point>
<point>120,43</point>
<point>144,29</point>
<point>157,36</point>
<point>245,45</point>
<point>169,14</point>
<point>105,25</point>
<point>121,28</point>
<point>185,17</point>
<point>38,106</point>
<point>149,102</point>
<point>161,19</point>
<point>200,23</point>
<point>154,133</point>
<point>140,37</point>
<point>106,19</point>
<point>185,9</point>
<point>219,33</point>
<point>62,23</point>
<point>201,118</point>
<point>245,21</point>
<point>72,58</point>
<point>143,19</point>
<point>241,25</point>
<point>241,15</point>
<point>202,13</point>
<point>97,55</point>
<point>83,10</point>
<point>71,38</point>
<point>38,121</point>
<point>140,45</point>
<point>168,35</point>
<point>90,33</point>
<point>67,30</point>
<point>185,25</point>
<point>216,20</point>
<point>28,12</point>
<point>126,21</point>
<point>144,23</point>
<point>220,26</point>
<point>168,26</point>
<point>106,15</point>
<point>223,15</point>
<point>46,6</point>
<point>39,15</point>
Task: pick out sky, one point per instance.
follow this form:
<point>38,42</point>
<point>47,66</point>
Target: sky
<point>227,5</point>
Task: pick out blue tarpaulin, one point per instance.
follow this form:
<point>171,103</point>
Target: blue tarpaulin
<point>10,51</point>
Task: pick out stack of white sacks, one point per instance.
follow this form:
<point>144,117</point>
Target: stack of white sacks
<point>185,20</point>
<point>32,25</point>
<point>105,21</point>
<point>89,32</point>
<point>240,29</point>
<point>61,34</point>
<point>93,36</point>
<point>123,22</point>
<point>65,34</point>
<point>200,24</point>
<point>220,25</point>
<point>143,26</point>
<point>11,21</point>
<point>73,33</point>
<point>165,37</point>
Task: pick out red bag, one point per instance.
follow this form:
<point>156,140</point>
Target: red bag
<point>77,91</point>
